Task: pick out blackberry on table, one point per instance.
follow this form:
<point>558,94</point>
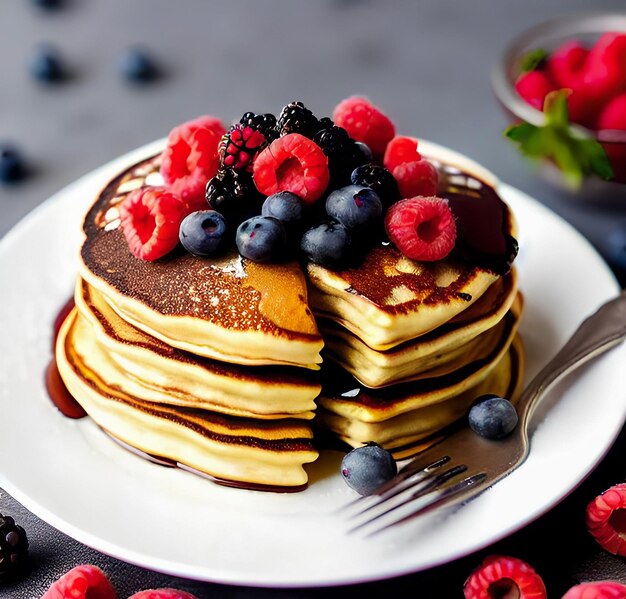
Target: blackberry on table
<point>380,180</point>
<point>296,118</point>
<point>13,546</point>
<point>343,153</point>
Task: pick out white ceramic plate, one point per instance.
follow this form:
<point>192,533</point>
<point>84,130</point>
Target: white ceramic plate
<point>74,477</point>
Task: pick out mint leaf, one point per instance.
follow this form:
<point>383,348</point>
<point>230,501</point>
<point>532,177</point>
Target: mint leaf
<point>574,154</point>
<point>533,59</point>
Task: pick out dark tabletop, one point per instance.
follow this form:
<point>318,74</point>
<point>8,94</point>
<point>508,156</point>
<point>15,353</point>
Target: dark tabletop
<point>426,63</point>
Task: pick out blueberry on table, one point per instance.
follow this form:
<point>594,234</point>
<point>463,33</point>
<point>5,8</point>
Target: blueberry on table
<point>11,164</point>
<point>261,238</point>
<point>138,66</point>
<point>328,244</point>
<point>47,65</point>
<point>202,232</point>
<point>366,468</point>
<point>48,4</point>
<point>492,417</point>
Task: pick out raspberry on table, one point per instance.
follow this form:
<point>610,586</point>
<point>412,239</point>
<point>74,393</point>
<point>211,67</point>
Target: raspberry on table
<point>499,575</point>
<point>603,589</point>
<point>422,228</point>
<point>191,158</point>
<point>365,122</point>
<point>606,519</point>
<point>86,581</point>
<point>292,163</point>
<point>150,220</point>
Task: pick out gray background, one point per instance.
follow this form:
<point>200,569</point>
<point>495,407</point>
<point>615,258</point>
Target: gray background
<point>426,63</point>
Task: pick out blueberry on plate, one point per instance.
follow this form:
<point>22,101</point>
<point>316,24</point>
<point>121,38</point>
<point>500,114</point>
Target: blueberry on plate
<point>137,65</point>
<point>47,65</point>
<point>492,417</point>
<point>11,164</point>
<point>366,468</point>
<point>354,206</point>
<point>202,232</point>
<point>261,238</point>
<point>328,244</point>
<point>287,207</point>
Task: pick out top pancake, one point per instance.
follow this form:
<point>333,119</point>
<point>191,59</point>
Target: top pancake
<point>227,308</point>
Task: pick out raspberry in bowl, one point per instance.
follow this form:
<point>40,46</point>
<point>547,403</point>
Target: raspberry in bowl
<point>563,85</point>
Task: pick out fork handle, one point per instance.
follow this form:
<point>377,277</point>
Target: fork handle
<point>599,332</point>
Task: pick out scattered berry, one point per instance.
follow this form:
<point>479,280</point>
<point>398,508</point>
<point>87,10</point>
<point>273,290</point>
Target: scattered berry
<point>47,65</point>
<point>191,158</point>
<point>366,468</point>
<point>503,576</point>
<point>239,146</point>
<point>401,149</point>
<point>13,546</point>
<point>82,582</point>
<point>422,228</point>
<point>203,232</point>
<point>597,590</point>
<point>162,594</point>
<point>416,178</point>
<point>295,118</point>
<point>534,86</point>
<point>328,244</point>
<point>606,519</point>
<point>364,122</point>
<point>343,153</point>
<point>287,207</point>
<point>354,206</point>
<point>492,417</point>
<point>48,4</point>
<point>12,167</point>
<point>150,220</point>
<point>566,63</point>
<point>261,238</point>
<point>137,65</point>
<point>380,180</point>
<point>292,163</point>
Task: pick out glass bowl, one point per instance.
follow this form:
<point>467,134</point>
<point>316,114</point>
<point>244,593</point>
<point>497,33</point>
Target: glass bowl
<point>586,28</point>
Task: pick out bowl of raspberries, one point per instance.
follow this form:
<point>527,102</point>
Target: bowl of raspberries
<point>563,86</point>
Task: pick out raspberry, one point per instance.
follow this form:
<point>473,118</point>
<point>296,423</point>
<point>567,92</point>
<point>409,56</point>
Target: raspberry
<point>239,145</point>
<point>418,178</point>
<point>81,582</point>
<point>162,594</point>
<point>605,66</point>
<point>597,590</point>
<point>422,228</point>
<point>566,63</point>
<point>613,115</point>
<point>191,158</point>
<point>533,88</point>
<point>400,150</point>
<point>606,519</point>
<point>499,575</point>
<point>150,219</point>
<point>364,122</point>
<point>292,163</point>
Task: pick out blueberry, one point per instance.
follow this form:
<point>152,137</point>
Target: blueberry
<point>354,206</point>
<point>47,65</point>
<point>261,238</point>
<point>366,468</point>
<point>492,417</point>
<point>364,152</point>
<point>202,232</point>
<point>11,165</point>
<point>328,244</point>
<point>48,4</point>
<point>285,206</point>
<point>138,66</point>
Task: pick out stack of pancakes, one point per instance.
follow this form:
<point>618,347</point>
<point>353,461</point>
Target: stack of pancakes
<point>414,343</point>
<point>214,364</point>
<point>208,364</point>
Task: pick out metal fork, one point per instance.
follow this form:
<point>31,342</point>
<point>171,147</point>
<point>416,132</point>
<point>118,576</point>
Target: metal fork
<point>433,478</point>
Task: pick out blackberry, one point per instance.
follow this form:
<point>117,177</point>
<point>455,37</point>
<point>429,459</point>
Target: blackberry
<point>13,546</point>
<point>234,195</point>
<point>295,118</point>
<point>343,153</point>
<point>239,145</point>
<point>265,123</point>
<point>380,180</point>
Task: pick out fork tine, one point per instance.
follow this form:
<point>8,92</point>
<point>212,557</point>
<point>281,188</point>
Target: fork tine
<point>418,488</point>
